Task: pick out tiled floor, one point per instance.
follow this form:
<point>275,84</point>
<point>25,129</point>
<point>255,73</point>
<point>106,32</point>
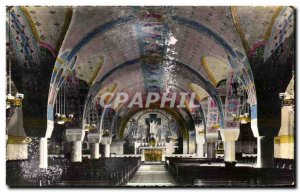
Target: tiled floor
<point>152,175</point>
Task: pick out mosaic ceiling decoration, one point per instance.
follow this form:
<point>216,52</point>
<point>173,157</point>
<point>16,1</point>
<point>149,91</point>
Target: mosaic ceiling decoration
<point>281,32</point>
<point>156,47</point>
<point>253,33</point>
<point>46,23</point>
<point>117,35</point>
<point>37,29</point>
<point>147,34</point>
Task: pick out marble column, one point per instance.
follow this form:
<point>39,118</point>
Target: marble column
<point>211,138</point>
<point>94,140</point>
<point>185,146</point>
<point>211,132</point>
<point>211,150</point>
<point>95,151</point>
<point>76,151</point>
<point>265,152</point>
<point>106,150</point>
<point>43,163</point>
<point>200,150</point>
<point>229,137</point>
<point>106,141</point>
<point>229,151</point>
<point>200,140</point>
<point>163,155</point>
<point>75,136</point>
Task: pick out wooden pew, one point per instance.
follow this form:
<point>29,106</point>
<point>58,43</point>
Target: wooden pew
<point>193,171</point>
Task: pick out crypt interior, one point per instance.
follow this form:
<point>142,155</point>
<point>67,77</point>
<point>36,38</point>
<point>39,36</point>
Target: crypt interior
<point>236,62</point>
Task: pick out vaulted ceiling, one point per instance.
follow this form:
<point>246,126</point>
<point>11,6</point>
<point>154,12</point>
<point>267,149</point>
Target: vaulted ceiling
<point>146,49</point>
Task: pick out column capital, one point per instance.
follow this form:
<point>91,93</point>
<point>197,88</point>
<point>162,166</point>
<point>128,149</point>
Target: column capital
<point>211,137</point>
<point>106,140</point>
<point>94,137</point>
<point>75,134</point>
<point>230,134</point>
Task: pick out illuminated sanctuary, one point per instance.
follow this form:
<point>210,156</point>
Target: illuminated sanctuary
<point>150,96</point>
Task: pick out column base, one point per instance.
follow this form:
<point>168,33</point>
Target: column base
<point>230,165</point>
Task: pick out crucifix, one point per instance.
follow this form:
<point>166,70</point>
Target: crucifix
<point>152,119</point>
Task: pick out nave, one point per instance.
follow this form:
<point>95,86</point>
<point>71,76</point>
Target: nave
<point>132,172</point>
<point>155,175</point>
<point>123,96</point>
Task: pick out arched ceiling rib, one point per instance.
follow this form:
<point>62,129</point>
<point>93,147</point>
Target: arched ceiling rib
<point>200,92</point>
<point>283,28</point>
<point>254,24</point>
<point>89,68</point>
<point>47,22</point>
<point>165,48</point>
<point>35,28</point>
<point>104,38</point>
<point>120,44</point>
<point>87,19</point>
<point>136,83</point>
<point>115,48</point>
<point>216,69</point>
<point>217,18</point>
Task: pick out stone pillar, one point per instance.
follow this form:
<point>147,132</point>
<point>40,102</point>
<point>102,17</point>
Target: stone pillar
<point>43,164</point>
<point>200,140</point>
<point>94,140</point>
<point>163,156</point>
<point>211,150</point>
<point>265,152</point>
<point>229,151</point>
<point>229,136</point>
<point>107,150</point>
<point>211,131</point>
<point>95,151</point>
<point>200,150</point>
<point>106,141</point>
<point>231,129</point>
<point>136,147</point>
<point>211,139</point>
<point>143,155</point>
<point>185,146</point>
<point>76,151</point>
<point>117,147</point>
<point>43,150</point>
<point>284,142</point>
<point>76,137</point>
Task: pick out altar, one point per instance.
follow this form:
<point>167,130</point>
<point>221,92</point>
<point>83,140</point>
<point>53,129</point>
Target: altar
<point>153,154</point>
<point>153,136</point>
